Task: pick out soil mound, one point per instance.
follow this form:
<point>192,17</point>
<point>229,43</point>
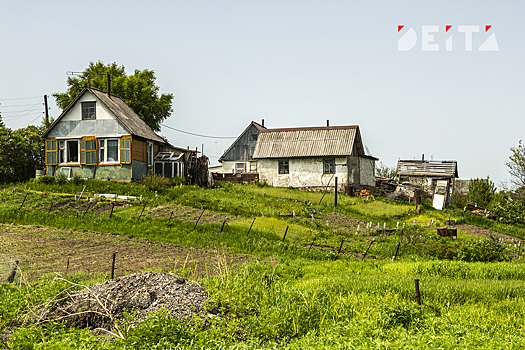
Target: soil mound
<point>139,294</point>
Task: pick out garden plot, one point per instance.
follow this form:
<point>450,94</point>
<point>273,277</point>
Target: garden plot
<point>190,214</point>
<point>43,250</point>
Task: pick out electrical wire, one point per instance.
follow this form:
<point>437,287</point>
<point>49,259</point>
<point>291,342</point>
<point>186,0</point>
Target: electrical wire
<point>9,106</point>
<point>199,135</point>
<point>19,98</point>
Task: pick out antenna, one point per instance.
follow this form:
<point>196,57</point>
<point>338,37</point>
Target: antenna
<point>78,74</point>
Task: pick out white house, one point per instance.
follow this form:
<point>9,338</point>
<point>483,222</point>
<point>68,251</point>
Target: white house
<point>312,157</point>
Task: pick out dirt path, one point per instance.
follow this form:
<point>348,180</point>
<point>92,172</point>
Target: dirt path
<point>42,250</point>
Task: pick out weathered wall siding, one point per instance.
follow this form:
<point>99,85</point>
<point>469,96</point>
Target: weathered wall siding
<point>368,172</point>
<point>78,128</point>
<point>239,151</point>
<point>138,150</point>
<point>354,170</point>
<point>140,169</point>
<point>72,125</point>
<point>304,172</point>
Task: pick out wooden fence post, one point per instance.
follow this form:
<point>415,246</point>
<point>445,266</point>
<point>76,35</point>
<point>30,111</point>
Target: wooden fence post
<point>335,193</point>
<point>113,265</point>
<point>367,249</point>
<point>397,250</point>
<point>21,205</point>
<point>251,225</point>
<point>341,246</point>
<point>112,207</point>
<point>418,296</point>
<point>285,232</point>
<point>196,222</point>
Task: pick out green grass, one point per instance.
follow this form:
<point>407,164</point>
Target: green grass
<point>291,296</point>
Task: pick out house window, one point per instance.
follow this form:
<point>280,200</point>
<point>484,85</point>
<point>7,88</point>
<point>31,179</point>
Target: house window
<point>239,168</point>
<point>72,151</point>
<point>62,151</point>
<point>157,169</point>
<point>150,154</point>
<point>125,150</point>
<point>88,110</point>
<point>329,166</point>
<point>253,137</point>
<point>88,151</point>
<point>108,150</point>
<point>51,152</point>
<point>112,150</point>
<point>284,167</point>
<point>101,150</point>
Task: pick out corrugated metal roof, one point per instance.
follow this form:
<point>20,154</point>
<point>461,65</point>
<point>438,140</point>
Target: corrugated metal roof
<point>308,142</point>
<point>444,168</point>
<point>124,114</point>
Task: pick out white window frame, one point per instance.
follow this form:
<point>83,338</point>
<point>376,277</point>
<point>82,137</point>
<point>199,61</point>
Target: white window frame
<point>150,154</point>
<point>103,150</point>
<point>63,150</point>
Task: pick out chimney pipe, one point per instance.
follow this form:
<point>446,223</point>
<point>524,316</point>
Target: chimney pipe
<point>263,123</point>
<point>327,122</point>
<point>108,85</point>
<point>423,157</point>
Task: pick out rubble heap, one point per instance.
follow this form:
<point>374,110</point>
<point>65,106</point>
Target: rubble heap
<point>139,294</point>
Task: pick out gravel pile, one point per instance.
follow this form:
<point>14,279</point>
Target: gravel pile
<point>139,294</point>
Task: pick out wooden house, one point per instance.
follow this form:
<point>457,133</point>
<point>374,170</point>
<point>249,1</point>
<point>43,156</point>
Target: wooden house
<point>99,136</point>
<point>237,162</point>
<point>311,157</point>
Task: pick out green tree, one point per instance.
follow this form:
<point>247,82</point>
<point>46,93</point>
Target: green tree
<point>384,170</point>
<point>21,152</point>
<point>516,165</point>
<point>481,191</point>
<point>138,90</point>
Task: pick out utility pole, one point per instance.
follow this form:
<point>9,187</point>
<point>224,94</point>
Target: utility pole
<point>46,112</point>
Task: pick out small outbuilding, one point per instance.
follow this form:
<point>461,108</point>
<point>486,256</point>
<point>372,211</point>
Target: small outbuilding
<point>312,157</point>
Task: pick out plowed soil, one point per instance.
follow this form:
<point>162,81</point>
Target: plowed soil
<point>484,232</point>
<point>190,214</point>
<point>42,250</point>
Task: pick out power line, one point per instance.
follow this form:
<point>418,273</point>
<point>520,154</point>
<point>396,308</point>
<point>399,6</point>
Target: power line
<point>9,106</point>
<point>194,134</point>
<point>19,98</point>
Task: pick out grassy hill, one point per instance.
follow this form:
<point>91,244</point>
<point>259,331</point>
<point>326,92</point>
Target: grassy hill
<point>283,268</point>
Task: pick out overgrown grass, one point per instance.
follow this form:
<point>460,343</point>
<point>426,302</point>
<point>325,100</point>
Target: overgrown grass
<point>292,296</point>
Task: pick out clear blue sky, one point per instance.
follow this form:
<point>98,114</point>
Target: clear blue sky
<point>293,63</point>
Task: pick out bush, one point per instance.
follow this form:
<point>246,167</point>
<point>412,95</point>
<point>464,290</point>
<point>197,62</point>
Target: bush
<point>46,179</point>
<point>155,182</point>
<point>61,179</point>
<point>509,208</point>
<point>177,181</point>
<point>481,192</point>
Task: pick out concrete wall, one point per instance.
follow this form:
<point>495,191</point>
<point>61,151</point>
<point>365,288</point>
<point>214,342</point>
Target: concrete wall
<point>368,172</point>
<point>108,172</point>
<point>304,172</point>
<point>308,172</point>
